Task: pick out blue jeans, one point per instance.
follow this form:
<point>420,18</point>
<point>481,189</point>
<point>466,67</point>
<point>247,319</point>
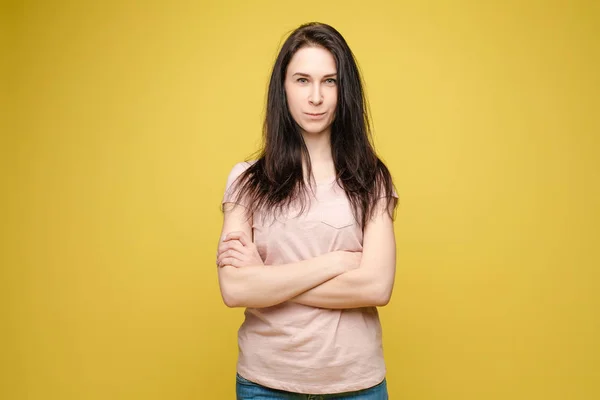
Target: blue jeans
<point>246,390</point>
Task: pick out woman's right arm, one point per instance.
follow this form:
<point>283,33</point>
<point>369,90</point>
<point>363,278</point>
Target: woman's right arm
<point>260,286</point>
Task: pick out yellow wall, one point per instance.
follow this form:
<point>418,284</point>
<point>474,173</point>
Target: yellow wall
<point>126,117</point>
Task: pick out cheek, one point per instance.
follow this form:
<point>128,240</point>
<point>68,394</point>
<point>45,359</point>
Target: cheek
<point>289,95</point>
<point>333,106</point>
<point>293,101</point>
<point>333,95</point>
<point>334,103</point>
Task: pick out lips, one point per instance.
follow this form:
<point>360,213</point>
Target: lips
<point>315,115</point>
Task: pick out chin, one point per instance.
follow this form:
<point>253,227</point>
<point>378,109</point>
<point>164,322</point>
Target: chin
<point>316,130</point>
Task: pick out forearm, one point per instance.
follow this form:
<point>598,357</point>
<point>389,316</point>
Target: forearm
<point>268,285</point>
<point>361,287</point>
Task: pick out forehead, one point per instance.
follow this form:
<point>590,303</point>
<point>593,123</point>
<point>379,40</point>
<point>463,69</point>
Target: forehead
<point>313,61</point>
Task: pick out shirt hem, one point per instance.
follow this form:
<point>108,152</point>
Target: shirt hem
<point>312,389</point>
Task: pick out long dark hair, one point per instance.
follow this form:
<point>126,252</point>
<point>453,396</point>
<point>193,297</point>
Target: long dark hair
<point>276,180</point>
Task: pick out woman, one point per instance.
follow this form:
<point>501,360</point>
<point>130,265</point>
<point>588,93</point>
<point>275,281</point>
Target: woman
<point>308,242</point>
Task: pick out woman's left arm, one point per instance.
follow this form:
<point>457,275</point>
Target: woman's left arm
<point>369,285</point>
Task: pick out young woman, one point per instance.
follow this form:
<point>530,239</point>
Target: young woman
<point>308,244</point>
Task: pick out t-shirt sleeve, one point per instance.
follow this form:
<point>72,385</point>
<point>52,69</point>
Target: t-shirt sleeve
<point>232,187</point>
<point>382,193</point>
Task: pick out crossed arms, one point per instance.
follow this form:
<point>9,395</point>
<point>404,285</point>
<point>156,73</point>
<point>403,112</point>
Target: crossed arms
<point>334,280</point>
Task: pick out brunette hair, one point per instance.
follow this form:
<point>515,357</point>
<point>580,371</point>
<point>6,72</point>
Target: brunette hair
<point>276,179</point>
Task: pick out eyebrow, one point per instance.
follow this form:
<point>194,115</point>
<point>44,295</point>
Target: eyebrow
<point>308,76</point>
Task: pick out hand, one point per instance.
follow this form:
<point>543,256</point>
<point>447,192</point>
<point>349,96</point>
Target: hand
<point>237,250</point>
<point>349,260</point>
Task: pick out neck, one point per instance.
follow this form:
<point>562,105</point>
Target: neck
<point>319,147</point>
<point>321,160</point>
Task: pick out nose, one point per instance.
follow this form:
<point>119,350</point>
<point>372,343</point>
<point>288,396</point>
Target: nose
<point>316,96</point>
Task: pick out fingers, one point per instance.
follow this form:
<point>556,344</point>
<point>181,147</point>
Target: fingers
<point>234,249</point>
<point>230,254</point>
<point>234,262</point>
<point>230,245</point>
<point>239,235</point>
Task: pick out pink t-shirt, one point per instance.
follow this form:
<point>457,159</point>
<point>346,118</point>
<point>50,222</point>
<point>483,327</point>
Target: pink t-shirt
<point>305,349</point>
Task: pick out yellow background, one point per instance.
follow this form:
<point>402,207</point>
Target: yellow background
<point>121,121</point>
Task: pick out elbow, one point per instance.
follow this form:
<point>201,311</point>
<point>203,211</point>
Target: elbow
<point>237,298</point>
<point>382,300</point>
<point>230,299</point>
<point>230,293</point>
<point>381,295</point>
<point>378,286</point>
<point>233,301</point>
<point>230,288</point>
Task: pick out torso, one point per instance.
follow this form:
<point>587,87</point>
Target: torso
<point>306,349</point>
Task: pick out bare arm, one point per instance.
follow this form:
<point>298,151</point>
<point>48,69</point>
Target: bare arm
<point>369,285</point>
<point>266,285</point>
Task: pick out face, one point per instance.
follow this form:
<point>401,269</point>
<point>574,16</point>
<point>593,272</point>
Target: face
<point>311,89</point>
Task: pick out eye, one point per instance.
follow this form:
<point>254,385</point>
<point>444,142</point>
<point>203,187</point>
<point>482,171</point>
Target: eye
<point>302,80</point>
<point>331,81</point>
